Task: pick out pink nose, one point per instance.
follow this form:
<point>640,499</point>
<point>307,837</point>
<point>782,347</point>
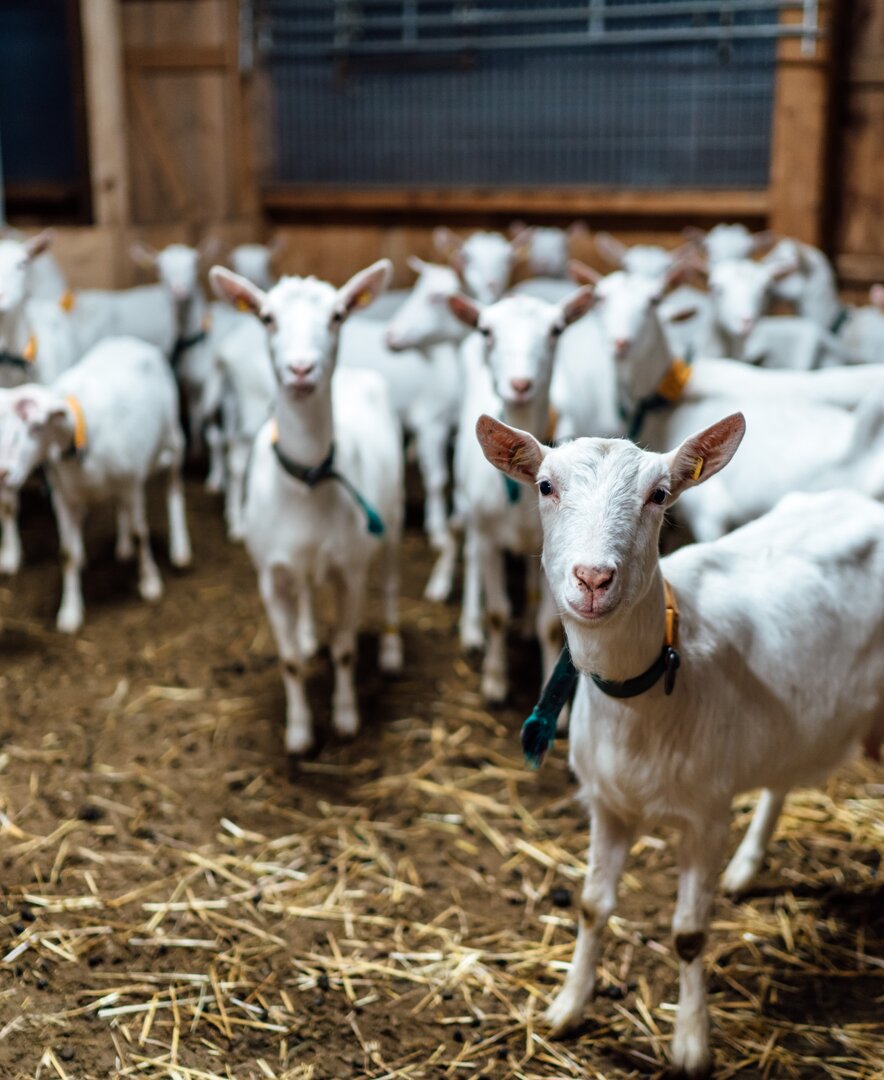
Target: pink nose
<point>621,344</point>
<point>301,370</point>
<point>521,386</point>
<point>594,579</point>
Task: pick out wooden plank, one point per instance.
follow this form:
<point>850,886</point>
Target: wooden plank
<point>105,98</point>
<point>176,57</point>
<point>691,204</point>
<point>152,131</point>
<point>799,148</point>
<point>867,70</point>
<point>865,268</point>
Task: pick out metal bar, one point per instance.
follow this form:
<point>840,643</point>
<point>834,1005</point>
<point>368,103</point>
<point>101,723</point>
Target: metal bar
<point>686,35</point>
<point>663,9</point>
<point>811,25</point>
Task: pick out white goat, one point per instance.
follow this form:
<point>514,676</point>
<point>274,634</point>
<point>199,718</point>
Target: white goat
<point>547,247</point>
<point>484,261</point>
<point>724,242</point>
<point>508,369</point>
<point>326,478</point>
<point>812,289</point>
<point>650,260</point>
<point>102,430</point>
<point>781,641</point>
<point>255,262</point>
<point>36,345</point>
<point>741,291</point>
<point>45,278</point>
<point>664,400</point>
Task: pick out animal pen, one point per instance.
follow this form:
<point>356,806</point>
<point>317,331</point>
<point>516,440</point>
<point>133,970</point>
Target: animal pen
<point>241,843</point>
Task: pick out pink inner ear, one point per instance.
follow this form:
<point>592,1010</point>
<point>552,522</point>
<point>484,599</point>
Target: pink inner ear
<point>25,408</point>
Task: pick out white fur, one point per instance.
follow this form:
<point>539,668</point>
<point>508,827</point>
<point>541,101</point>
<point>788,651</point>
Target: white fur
<point>299,536</point>
<point>508,368</point>
<point>782,647</point>
<point>787,412</point>
<point>130,404</point>
<point>484,261</point>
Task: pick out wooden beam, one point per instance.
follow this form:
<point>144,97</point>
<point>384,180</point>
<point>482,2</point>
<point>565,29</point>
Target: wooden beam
<point>867,71</point>
<point>176,57</point>
<point>154,135</point>
<point>105,107</point>
<point>665,203</point>
<point>800,134</point>
<point>866,269</point>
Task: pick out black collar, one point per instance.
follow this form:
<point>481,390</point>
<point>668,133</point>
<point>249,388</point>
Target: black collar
<point>839,321</point>
<point>14,360</point>
<point>182,344</point>
<point>311,475</point>
<point>666,665</point>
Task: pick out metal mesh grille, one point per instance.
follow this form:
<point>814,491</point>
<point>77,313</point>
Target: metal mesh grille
<point>423,93</point>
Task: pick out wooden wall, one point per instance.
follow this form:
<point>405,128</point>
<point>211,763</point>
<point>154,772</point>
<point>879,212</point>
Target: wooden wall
<point>175,133</point>
<point>858,189</point>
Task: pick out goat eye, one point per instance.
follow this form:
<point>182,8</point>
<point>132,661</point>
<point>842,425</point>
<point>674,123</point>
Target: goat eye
<point>556,330</point>
<point>267,319</point>
<point>545,487</point>
<point>485,331</point>
<point>337,317</point>
<point>658,496</point>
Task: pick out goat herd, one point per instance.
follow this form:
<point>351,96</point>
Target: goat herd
<point>751,659</point>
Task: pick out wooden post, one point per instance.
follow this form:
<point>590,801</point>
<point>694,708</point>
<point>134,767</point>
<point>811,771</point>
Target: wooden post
<point>106,110</point>
<point>799,152</point>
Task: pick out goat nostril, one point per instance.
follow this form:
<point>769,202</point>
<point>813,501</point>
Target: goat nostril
<point>521,386</point>
<point>300,370</point>
<point>594,578</point>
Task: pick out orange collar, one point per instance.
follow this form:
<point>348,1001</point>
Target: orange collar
<point>672,385</point>
<point>80,431</point>
<point>671,630</point>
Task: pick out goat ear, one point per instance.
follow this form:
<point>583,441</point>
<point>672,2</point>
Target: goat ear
<point>785,269</point>
<point>681,314</point>
<point>581,273</point>
<point>143,255</point>
<point>208,248</point>
<point>514,228</point>
<point>445,241</point>
<point>514,452</point>
<point>576,228</point>
<point>364,288</point>
<point>706,453</point>
<point>39,243</point>
<point>762,242</point>
<point>236,290</point>
<point>39,414</point>
<point>610,248</point>
<point>468,311</point>
<point>876,296</point>
<point>277,246</point>
<point>521,241</point>
<point>576,305</point>
<point>416,264</point>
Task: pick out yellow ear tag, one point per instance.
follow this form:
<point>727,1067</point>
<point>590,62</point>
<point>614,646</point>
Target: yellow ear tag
<point>30,353</point>
<point>698,469</point>
<point>242,305</point>
<point>207,323</point>
<point>364,299</point>
<point>68,301</point>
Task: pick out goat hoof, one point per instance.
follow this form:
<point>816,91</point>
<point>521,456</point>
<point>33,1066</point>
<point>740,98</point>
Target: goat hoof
<point>10,564</point>
<point>69,621</point>
<point>125,551</point>
<point>740,873</point>
<point>214,485</point>
<point>564,1015</point>
<point>494,689</point>
<point>150,588</point>
<point>390,659</point>
<point>471,638</point>
<point>690,1053</point>
<point>438,590</point>
<point>298,741</point>
<point>345,720</point>
<point>180,556</point>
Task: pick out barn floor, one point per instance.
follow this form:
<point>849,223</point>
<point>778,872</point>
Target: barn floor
<point>178,902</point>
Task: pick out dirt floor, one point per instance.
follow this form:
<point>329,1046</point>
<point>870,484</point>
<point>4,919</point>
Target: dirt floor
<point>178,901</point>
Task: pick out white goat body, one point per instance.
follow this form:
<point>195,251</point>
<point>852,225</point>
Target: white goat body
<point>782,670</point>
<point>301,531</point>
<point>122,397</point>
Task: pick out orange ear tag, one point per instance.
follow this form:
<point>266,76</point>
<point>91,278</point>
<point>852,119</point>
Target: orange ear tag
<point>698,469</point>
<point>68,301</point>
<point>364,299</point>
<point>30,351</point>
<point>242,305</point>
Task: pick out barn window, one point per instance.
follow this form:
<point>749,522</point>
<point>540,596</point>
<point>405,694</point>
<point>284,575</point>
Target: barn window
<point>44,164</point>
<point>634,94</point>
